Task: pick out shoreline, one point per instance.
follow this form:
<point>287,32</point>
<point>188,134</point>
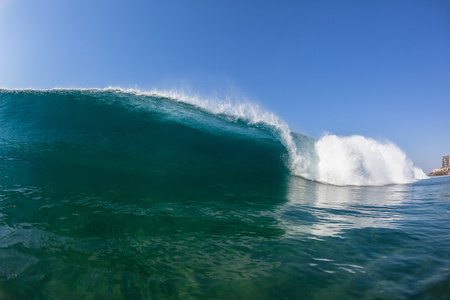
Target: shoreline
<point>439,172</point>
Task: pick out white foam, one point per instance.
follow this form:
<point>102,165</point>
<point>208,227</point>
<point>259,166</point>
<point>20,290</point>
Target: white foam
<point>356,160</point>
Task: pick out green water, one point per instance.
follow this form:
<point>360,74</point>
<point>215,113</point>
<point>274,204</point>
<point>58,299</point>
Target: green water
<point>102,198</point>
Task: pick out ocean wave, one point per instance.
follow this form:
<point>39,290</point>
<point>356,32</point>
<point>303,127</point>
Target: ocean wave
<point>177,128</point>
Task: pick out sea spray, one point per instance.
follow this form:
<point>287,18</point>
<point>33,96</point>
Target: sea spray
<point>357,160</point>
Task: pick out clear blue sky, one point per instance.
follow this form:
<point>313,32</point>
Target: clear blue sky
<point>375,68</point>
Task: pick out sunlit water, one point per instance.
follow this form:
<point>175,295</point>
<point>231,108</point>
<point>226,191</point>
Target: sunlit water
<point>109,201</point>
<point>304,240</point>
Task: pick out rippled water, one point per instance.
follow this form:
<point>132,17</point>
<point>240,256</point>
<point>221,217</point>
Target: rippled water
<point>109,195</point>
<point>312,241</point>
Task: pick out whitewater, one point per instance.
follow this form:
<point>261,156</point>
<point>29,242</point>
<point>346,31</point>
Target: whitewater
<point>127,194</point>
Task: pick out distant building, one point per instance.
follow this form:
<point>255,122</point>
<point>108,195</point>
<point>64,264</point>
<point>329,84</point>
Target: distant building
<point>446,162</point>
<point>445,170</point>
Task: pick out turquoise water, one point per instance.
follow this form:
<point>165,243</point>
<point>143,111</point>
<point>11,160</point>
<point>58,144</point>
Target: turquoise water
<point>109,194</point>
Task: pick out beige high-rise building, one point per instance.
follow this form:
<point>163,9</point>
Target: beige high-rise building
<point>446,162</point>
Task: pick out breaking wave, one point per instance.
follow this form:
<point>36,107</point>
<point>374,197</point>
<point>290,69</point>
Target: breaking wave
<point>172,128</point>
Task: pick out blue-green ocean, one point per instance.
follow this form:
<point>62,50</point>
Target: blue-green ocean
<point>116,194</point>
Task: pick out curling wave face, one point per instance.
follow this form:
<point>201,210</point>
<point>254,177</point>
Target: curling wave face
<point>159,128</point>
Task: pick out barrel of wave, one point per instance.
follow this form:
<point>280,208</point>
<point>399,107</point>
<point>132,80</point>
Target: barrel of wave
<point>357,160</point>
